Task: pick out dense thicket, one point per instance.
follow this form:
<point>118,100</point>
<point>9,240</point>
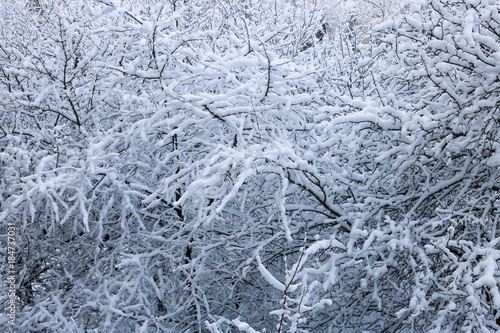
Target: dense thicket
<point>230,166</point>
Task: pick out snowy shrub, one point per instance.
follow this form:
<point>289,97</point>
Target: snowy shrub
<point>221,167</point>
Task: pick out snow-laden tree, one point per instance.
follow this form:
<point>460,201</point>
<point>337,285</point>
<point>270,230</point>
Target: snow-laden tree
<point>150,171</point>
<point>450,88</point>
<point>221,167</point>
<point>411,156</point>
